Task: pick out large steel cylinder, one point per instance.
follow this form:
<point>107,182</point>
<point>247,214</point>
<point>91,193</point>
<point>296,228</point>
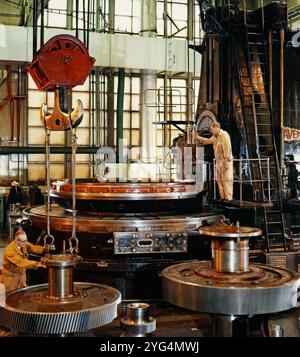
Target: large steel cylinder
<point>60,276</point>
<point>230,255</point>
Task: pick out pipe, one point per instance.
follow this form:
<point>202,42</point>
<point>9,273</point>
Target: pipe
<point>148,86</point>
<point>120,109</point>
<point>34,27</point>
<point>69,14</point>
<point>271,67</point>
<point>98,107</point>
<point>42,24</point>
<point>111,16</point>
<point>9,150</point>
<point>282,33</point>
<point>190,36</point>
<point>110,108</point>
<point>166,128</point>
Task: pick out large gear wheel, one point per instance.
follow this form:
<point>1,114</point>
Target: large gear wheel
<point>29,310</point>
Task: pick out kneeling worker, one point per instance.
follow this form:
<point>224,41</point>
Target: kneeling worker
<point>16,262</point>
<point>224,160</point>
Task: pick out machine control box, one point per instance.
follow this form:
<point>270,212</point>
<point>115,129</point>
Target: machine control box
<point>150,243</point>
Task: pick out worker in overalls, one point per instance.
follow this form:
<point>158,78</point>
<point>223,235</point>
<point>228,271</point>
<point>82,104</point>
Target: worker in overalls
<point>16,262</point>
<point>224,160</point>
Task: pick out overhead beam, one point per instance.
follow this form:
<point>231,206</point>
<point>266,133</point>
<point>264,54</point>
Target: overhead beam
<point>109,50</point>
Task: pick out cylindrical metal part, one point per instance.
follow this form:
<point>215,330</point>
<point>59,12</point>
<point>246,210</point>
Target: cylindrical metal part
<point>138,322</point>
<point>60,282</point>
<point>230,255</point>
<point>230,326</point>
<point>148,87</point>
<point>138,312</point>
<point>60,276</point>
<point>276,331</point>
<point>223,325</point>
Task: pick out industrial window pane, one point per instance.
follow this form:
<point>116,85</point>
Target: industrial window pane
<point>82,171</point>
<point>57,172</point>
<point>126,121</point>
<point>123,7</point>
<point>127,104</point>
<point>123,23</point>
<point>135,85</point>
<point>126,135</point>
<point>159,140</point>
<point>57,20</point>
<point>57,157</point>
<point>179,12</point>
<point>135,139</point>
<point>136,24</point>
<point>135,120</point>
<point>82,136</point>
<point>36,158</point>
<point>135,153</point>
<point>36,172</point>
<point>83,158</point>
<point>50,99</point>
<point>86,119</point>
<point>34,117</point>
<point>31,84</point>
<point>57,4</point>
<point>36,136</point>
<point>135,102</point>
<point>57,138</point>
<point>84,97</point>
<point>36,99</point>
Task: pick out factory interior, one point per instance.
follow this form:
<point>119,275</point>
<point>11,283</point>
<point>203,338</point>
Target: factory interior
<point>149,168</point>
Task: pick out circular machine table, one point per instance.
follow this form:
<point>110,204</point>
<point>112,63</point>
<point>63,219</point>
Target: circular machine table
<point>126,197</point>
<point>61,220</point>
<point>261,290</point>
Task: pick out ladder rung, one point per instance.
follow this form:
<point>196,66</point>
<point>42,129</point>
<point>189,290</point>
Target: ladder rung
<point>257,43</point>
<point>263,63</point>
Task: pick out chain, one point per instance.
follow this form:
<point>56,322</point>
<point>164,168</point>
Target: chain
<point>74,212</point>
<point>48,245</point>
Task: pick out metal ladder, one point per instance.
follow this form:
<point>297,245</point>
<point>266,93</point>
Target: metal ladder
<point>252,65</point>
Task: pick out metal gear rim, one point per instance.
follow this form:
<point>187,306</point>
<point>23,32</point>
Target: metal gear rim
<point>42,323</point>
<point>138,329</point>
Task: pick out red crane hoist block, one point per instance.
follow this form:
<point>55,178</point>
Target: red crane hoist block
<point>62,61</point>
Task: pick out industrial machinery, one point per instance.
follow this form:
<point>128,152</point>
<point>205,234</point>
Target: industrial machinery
<point>128,231</point>
<point>138,322</point>
<point>60,307</point>
<point>228,286</point>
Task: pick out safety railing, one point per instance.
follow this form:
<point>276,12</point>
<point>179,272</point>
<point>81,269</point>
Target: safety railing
<point>242,175</point>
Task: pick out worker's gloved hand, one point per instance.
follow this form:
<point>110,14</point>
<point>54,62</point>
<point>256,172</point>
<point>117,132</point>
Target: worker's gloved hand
<point>40,265</point>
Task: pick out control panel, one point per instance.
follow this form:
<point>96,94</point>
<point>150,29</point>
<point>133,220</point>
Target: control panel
<point>145,243</point>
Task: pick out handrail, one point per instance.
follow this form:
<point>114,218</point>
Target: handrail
<point>242,181</point>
